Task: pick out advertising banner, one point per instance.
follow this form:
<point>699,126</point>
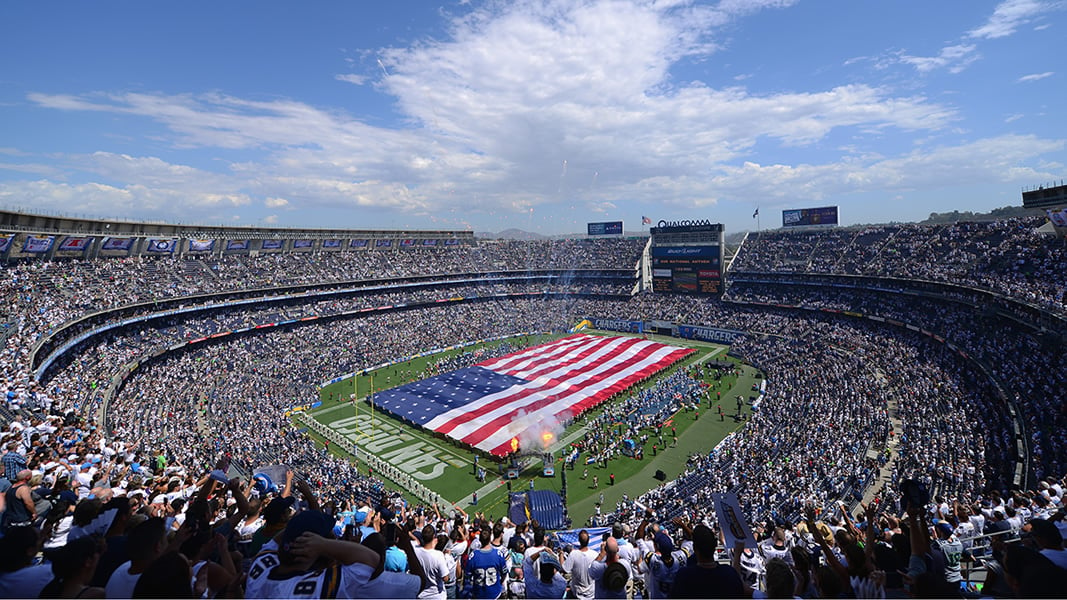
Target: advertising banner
<point>160,245</point>
<point>117,244</point>
<point>605,228</point>
<point>708,334</point>
<point>618,325</point>
<point>38,243</point>
<point>804,217</point>
<point>76,244</point>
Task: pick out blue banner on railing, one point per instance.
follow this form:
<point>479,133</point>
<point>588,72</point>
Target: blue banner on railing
<point>77,244</point>
<point>201,245</point>
<point>117,244</point>
<point>331,243</point>
<point>272,244</point>
<point>161,245</point>
<point>38,243</point>
<point>709,334</point>
<point>302,244</point>
<point>5,242</point>
<point>237,245</point>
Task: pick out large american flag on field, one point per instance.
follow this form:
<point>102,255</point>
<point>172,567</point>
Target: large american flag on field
<point>512,397</point>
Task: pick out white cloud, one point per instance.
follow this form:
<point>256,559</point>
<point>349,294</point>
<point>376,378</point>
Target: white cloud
<point>270,219</point>
<point>993,160</point>
<point>1035,77</point>
<point>956,58</point>
<point>1008,16</point>
<point>351,78</point>
<point>494,108</point>
<point>1013,118</point>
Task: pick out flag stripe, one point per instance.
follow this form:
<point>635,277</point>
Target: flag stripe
<point>564,382</point>
<point>578,402</point>
<point>522,357</point>
<point>480,408</point>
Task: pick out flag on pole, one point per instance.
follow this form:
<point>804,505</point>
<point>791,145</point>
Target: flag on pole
<point>645,220</point>
<point>755,214</point>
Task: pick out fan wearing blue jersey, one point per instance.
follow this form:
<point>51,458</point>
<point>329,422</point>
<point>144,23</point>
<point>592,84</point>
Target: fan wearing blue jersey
<point>486,570</point>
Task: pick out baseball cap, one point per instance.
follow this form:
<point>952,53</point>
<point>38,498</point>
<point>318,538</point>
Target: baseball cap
<point>277,509</point>
<point>664,543</point>
<point>307,521</point>
<point>944,527</point>
<point>548,558</point>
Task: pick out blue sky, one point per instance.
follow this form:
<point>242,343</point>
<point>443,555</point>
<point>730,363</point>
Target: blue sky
<point>541,115</point>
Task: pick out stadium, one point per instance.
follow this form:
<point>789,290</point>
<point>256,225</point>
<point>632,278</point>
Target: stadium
<point>821,367</point>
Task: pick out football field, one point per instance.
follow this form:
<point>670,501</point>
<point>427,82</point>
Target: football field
<point>431,467</point>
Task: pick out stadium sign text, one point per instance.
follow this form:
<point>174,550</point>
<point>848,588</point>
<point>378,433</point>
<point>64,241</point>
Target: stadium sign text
<point>618,325</point>
<point>683,223</point>
<point>708,334</point>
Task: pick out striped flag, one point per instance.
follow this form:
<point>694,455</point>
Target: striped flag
<point>495,403</point>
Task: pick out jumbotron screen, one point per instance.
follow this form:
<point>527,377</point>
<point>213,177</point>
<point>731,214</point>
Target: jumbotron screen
<point>687,269</point>
<point>687,257</point>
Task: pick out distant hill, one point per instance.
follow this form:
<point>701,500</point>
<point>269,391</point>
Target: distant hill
<point>1004,212</point>
<point>510,234</point>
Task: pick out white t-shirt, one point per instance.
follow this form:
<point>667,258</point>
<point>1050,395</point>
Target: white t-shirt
<point>577,564</point>
<point>121,583</point>
<point>387,585</point>
<point>433,562</point>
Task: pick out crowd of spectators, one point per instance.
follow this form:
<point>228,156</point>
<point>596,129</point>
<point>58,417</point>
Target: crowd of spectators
<point>149,476</point>
<point>1007,256</point>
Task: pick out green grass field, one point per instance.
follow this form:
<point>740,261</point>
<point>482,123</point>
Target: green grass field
<point>448,469</point>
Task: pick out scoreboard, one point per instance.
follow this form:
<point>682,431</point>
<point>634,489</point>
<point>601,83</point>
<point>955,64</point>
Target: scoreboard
<point>686,269</point>
<point>687,258</point>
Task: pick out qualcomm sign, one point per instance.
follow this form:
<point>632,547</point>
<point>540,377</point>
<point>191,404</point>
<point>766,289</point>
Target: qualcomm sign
<point>684,223</point>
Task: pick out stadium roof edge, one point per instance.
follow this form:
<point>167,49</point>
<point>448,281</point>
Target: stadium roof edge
<point>18,221</point>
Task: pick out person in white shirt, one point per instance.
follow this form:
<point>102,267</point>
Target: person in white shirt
<point>577,564</point>
<point>433,564</point>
